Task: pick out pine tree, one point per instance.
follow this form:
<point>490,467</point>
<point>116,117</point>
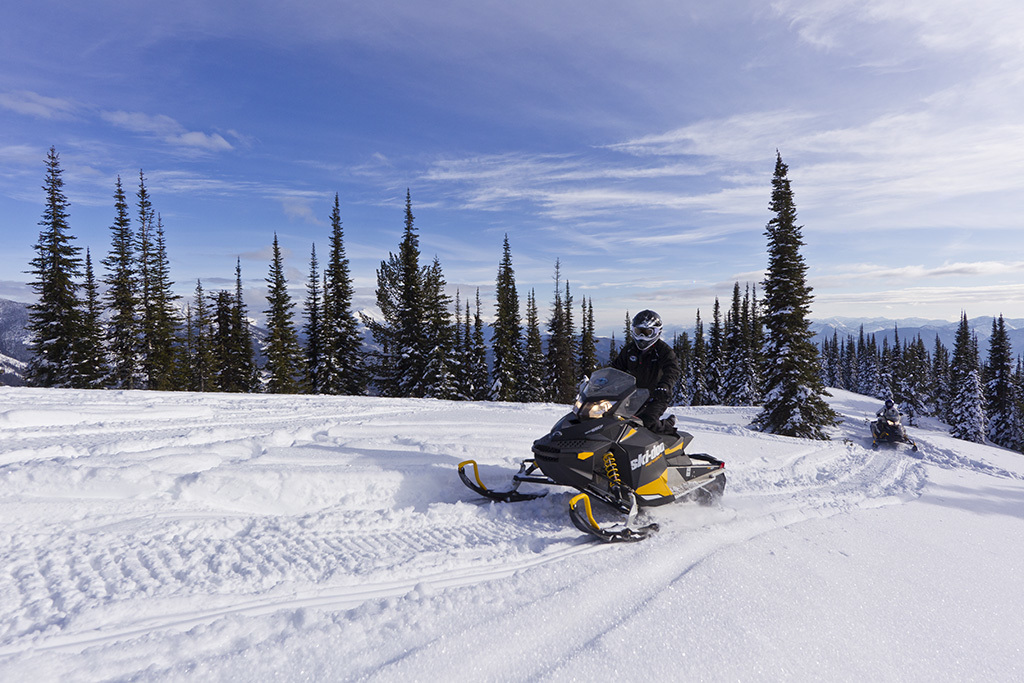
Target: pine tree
<point>91,370</point>
<point>684,352</point>
<point>1000,392</point>
<point>344,368</point>
<point>438,371</point>
<point>122,298</point>
<point>461,350</point>
<point>714,371</point>
<point>942,380</point>
<point>159,322</point>
<point>202,363</point>
<point>54,320</point>
<point>314,349</point>
<point>281,347</point>
<point>793,398</point>
<point>400,360</point>
<point>233,351</point>
<point>561,372</point>
<point>478,373</point>
<point>534,360</point>
<point>698,385</point>
<point>967,408</point>
<point>144,263</point>
<point>738,378</point>
<point>163,362</point>
<point>913,380</point>
<point>588,344</point>
<point>506,342</point>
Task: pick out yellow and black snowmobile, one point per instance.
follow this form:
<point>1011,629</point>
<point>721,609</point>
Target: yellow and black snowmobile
<point>602,449</point>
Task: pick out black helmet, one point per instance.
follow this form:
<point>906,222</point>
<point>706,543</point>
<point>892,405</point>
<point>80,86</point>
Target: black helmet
<point>889,403</point>
<point>646,329</point>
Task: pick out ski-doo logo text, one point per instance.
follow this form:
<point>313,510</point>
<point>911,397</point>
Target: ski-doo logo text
<point>650,455</point>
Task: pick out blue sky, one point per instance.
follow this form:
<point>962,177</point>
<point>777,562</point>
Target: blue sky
<point>634,142</point>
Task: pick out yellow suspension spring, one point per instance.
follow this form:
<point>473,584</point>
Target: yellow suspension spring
<point>611,469</point>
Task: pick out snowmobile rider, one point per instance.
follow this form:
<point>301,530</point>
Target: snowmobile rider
<point>889,412</point>
<point>654,365</point>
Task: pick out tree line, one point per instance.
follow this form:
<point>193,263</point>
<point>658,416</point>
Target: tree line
<point>138,334</point>
<point>979,398</point>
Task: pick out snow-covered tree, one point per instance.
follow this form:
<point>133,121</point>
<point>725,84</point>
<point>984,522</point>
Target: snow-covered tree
<point>561,377</point>
<point>1000,391</point>
<point>506,342</point>
<point>967,418</point>
<point>534,363</point>
<point>281,347</point>
<point>794,403</point>
<point>342,364</point>
<point>122,298</point>
<point>54,320</point>
<point>91,370</point>
<point>313,308</point>
<point>738,378</point>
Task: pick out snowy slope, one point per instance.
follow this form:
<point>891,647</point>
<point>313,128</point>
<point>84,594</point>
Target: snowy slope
<point>174,536</point>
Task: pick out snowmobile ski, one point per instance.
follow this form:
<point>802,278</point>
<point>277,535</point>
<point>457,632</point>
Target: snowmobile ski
<point>512,495</point>
<point>615,533</point>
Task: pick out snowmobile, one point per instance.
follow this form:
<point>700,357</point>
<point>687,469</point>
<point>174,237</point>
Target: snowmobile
<point>884,430</point>
<point>603,450</point>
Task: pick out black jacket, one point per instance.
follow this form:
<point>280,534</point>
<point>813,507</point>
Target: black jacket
<point>656,369</point>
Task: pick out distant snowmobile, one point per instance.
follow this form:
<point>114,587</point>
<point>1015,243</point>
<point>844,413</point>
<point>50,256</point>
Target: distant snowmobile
<point>888,429</point>
<point>602,449</point>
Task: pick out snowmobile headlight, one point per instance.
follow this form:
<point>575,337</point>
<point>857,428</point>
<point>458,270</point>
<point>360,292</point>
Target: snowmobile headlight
<point>594,409</point>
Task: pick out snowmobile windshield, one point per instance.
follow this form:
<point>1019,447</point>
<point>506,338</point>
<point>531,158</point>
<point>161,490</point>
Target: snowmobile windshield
<point>609,390</point>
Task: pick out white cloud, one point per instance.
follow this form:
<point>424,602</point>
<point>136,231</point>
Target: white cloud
<point>168,130</point>
<point>33,104</point>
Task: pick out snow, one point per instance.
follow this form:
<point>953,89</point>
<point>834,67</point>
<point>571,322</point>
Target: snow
<point>175,536</point>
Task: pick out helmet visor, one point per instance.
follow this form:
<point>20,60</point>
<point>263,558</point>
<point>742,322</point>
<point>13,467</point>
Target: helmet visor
<point>645,333</point>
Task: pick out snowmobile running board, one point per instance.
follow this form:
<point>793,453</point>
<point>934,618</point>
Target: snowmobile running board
<point>510,496</point>
<point>618,533</point>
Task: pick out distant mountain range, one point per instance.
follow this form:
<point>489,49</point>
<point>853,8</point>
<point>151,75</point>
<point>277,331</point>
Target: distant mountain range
<point>14,354</point>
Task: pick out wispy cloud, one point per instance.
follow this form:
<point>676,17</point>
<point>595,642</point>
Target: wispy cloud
<point>167,129</point>
<point>33,104</point>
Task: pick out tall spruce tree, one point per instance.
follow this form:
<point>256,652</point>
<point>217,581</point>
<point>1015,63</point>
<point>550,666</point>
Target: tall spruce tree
<point>163,362</point>
<point>698,385</point>
<point>506,341</point>
<point>967,418</point>
<point>91,370</point>
<point>561,372</point>
<point>588,342</point>
<point>403,346</point>
<point>438,370</point>
<point>54,320</point>
<point>343,364</point>
<point>236,366</point>
<point>534,361</point>
<point>1000,391</point>
<point>122,297</point>
<point>714,370</point>
<point>314,348</point>
<point>739,377</point>
<point>202,364</point>
<point>281,346</point>
<point>478,372</point>
<point>942,379</point>
<point>794,403</point>
<point>681,395</point>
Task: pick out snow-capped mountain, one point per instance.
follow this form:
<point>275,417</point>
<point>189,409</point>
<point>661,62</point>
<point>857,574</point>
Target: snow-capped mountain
<point>14,353</point>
